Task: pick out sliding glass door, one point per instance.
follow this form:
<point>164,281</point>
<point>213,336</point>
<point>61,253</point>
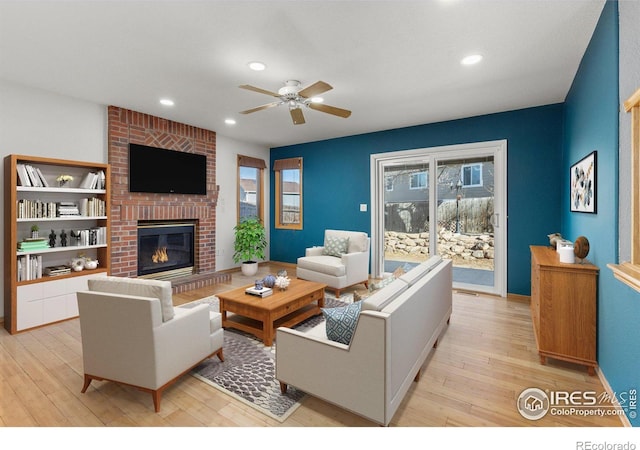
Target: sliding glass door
<point>448,201</point>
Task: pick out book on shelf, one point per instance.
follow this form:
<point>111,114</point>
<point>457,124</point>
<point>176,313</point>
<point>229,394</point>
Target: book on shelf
<point>22,175</point>
<point>52,271</point>
<point>68,209</point>
<point>43,180</point>
<point>35,209</point>
<point>33,244</point>
<point>93,180</point>
<point>29,267</point>
<point>264,292</point>
<point>91,236</point>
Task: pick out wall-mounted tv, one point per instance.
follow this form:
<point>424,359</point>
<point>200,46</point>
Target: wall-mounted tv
<point>164,171</point>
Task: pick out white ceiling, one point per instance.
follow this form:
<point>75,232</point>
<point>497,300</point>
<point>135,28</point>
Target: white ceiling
<point>392,63</point>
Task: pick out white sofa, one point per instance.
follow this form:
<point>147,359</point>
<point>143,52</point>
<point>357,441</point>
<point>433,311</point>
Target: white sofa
<point>132,334</point>
<point>337,268</point>
<point>398,327</point>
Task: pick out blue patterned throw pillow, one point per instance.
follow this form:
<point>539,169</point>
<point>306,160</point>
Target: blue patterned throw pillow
<point>335,246</point>
<point>341,322</point>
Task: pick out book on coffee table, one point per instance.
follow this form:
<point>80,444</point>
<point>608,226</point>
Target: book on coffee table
<point>264,292</point>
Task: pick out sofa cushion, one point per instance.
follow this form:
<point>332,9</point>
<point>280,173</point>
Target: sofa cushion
<point>358,240</point>
<point>329,265</point>
<point>335,246</point>
<point>139,287</point>
<point>341,322</point>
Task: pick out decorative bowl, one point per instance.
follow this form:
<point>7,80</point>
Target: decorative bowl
<point>93,264</point>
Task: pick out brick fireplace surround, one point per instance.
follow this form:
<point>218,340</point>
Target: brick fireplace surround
<point>127,208</point>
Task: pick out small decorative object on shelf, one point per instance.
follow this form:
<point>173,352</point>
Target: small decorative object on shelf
<point>35,231</point>
<point>63,238</point>
<point>52,239</point>
<point>77,264</point>
<point>63,180</point>
<point>269,281</point>
<point>581,247</point>
<point>554,238</point>
<point>282,283</point>
<point>90,264</point>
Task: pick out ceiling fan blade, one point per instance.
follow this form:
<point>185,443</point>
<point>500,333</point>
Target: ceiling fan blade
<point>260,108</point>
<point>259,90</point>
<point>297,116</point>
<point>330,109</point>
<point>316,88</point>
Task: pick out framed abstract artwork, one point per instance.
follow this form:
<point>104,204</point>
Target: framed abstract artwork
<point>583,184</point>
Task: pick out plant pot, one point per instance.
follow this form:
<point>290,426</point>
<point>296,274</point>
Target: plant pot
<point>249,268</point>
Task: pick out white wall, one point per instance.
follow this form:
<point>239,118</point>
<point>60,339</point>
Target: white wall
<point>39,123</point>
<point>227,151</point>
<point>629,12</point>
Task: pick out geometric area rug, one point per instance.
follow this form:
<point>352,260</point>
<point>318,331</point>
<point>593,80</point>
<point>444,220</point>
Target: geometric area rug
<point>248,371</point>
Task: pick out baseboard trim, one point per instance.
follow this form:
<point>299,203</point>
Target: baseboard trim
<point>519,298</point>
<point>607,387</point>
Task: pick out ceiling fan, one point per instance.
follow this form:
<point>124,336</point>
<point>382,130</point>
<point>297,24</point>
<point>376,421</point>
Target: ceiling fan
<point>292,95</point>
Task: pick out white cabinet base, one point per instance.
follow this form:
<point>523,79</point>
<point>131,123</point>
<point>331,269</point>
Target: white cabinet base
<point>50,301</point>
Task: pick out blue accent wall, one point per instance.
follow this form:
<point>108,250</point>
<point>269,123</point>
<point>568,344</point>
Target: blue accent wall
<point>591,123</point>
<point>336,180</point>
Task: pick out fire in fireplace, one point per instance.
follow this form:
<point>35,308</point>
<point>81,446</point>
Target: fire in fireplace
<point>165,249</point>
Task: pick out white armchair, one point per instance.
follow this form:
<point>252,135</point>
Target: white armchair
<point>131,334</point>
<point>341,262</point>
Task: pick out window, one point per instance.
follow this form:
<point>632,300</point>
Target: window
<point>418,180</point>
<point>388,183</point>
<point>250,198</point>
<point>629,272</point>
<point>471,175</point>
<point>288,193</point>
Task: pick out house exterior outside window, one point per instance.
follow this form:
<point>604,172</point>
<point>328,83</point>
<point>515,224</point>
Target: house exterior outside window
<point>419,180</point>
<point>250,181</point>
<point>288,193</point>
<point>471,175</point>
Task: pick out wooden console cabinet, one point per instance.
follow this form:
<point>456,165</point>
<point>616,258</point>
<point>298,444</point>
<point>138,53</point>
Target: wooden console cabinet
<point>563,308</point>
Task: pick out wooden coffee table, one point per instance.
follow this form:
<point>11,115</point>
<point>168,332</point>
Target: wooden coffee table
<point>262,316</point>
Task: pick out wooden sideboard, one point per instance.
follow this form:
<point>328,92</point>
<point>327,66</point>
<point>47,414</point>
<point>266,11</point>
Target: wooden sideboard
<point>563,308</point>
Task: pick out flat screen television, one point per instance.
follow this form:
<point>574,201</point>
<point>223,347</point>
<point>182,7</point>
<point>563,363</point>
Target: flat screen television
<point>164,171</point>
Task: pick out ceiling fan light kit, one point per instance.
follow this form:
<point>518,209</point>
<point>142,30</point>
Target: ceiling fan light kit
<point>292,95</point>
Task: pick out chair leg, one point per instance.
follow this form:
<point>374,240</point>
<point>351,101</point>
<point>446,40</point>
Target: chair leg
<point>157,398</point>
<point>337,293</point>
<point>220,355</point>
<point>87,382</point>
<point>366,284</point>
<point>283,387</point>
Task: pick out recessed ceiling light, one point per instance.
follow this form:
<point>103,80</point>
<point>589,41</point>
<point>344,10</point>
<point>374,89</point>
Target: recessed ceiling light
<point>317,99</point>
<point>230,121</point>
<point>257,66</point>
<point>166,102</point>
<point>471,59</point>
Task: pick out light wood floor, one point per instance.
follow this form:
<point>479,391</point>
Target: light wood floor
<point>483,361</point>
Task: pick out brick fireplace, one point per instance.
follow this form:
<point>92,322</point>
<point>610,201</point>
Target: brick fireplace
<point>129,209</point>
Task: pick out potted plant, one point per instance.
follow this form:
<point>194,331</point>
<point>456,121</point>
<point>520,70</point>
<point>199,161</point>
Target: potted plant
<point>35,231</point>
<point>250,243</point>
